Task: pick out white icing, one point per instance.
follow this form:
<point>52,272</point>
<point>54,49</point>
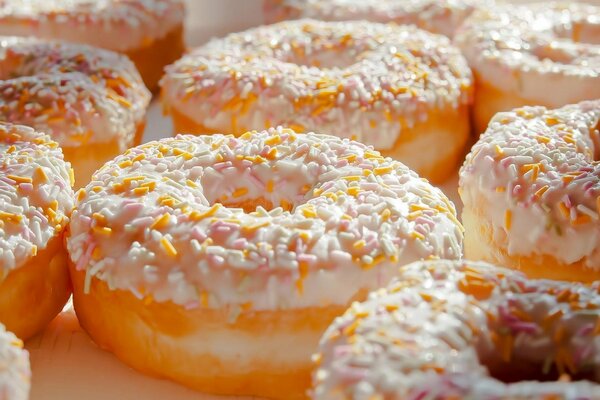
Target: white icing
<point>112,24</point>
<point>539,166</point>
<point>15,375</point>
<point>326,238</point>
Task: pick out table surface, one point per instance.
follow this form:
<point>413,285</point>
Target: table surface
<point>66,364</point>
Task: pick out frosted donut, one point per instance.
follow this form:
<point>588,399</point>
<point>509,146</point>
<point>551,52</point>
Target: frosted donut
<point>464,330</point>
<point>218,261</point>
<point>400,89</point>
<point>91,101</point>
<point>531,192</point>
<point>438,16</point>
<point>15,375</point>
<point>141,29</point>
<point>544,54</point>
<point>36,199</point>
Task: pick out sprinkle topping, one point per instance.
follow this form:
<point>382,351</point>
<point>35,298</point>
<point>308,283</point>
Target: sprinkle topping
<point>526,48</point>
<point>441,327</point>
<point>15,374</point>
<point>360,80</point>
<point>111,24</point>
<point>35,194</point>
<point>549,189</point>
<point>207,224</point>
<point>75,93</point>
<point>439,16</point>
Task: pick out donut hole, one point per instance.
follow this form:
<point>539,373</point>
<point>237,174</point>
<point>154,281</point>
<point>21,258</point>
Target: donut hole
<point>270,187</point>
<point>324,57</point>
<point>520,371</point>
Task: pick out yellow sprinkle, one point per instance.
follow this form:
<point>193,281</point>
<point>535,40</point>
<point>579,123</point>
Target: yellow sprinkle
<point>500,189</point>
<point>351,178</point>
<point>551,121</point>
<point>160,222</point>
<point>273,140</point>
<point>239,192</point>
<point>204,298</point>
<point>20,179</point>
<point>543,139</point>
<point>142,190</point>
<point>168,247</point>
<point>508,219</point>
<point>350,157</point>
<point>100,218</point>
<point>353,191</point>
<point>17,343</point>
<point>96,253</point>
<point>11,149</point>
<point>253,228</point>
<point>125,164</point>
<point>386,214</point>
<point>103,230</point>
<point>499,150</point>
<point>367,172</point>
<point>383,170</point>
<point>80,194</point>
<point>417,235</point>
<point>10,217</point>
<point>139,157</point>
<point>71,176</point>
<point>247,135</point>
<point>359,244</point>
<point>196,216</point>
<point>309,212</point>
<point>219,157</point>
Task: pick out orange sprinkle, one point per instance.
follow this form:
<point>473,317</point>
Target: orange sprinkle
<point>481,290</point>
<point>508,219</point>
<point>197,216</point>
<point>168,247</point>
<point>270,185</point>
<point>252,228</point>
<point>142,190</point>
<point>20,179</point>
<point>564,210</point>
<point>239,192</point>
<point>507,347</point>
<point>391,307</point>
<point>272,154</point>
<point>541,191</point>
<point>386,214</point>
<point>353,191</point>
<point>160,222</point>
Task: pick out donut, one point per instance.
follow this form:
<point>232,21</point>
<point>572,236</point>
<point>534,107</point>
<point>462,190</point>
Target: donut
<point>218,261</point>
<point>140,29</point>
<point>437,16</point>
<point>36,200</point>
<point>15,375</point>
<point>464,330</point>
<point>543,54</point>
<point>91,101</point>
<point>531,192</point>
<point>400,89</point>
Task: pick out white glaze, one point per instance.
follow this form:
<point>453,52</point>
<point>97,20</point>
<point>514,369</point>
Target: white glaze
<point>15,375</point>
<point>112,24</point>
<point>434,332</point>
<point>336,239</point>
<point>539,168</point>
<point>35,194</point>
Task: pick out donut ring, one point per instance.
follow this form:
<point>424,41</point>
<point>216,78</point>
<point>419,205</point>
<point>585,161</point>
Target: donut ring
<point>35,201</point>
<point>464,330</point>
<point>437,16</point>
<point>400,89</point>
<point>163,254</point>
<point>15,375</point>
<point>536,54</point>
<point>140,29</point>
<point>91,101</point>
<point>531,192</point>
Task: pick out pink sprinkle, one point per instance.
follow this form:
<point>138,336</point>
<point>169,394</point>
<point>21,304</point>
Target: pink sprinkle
<point>239,244</point>
<point>198,234</point>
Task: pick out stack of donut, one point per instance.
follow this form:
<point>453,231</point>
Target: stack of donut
<point>223,258</point>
